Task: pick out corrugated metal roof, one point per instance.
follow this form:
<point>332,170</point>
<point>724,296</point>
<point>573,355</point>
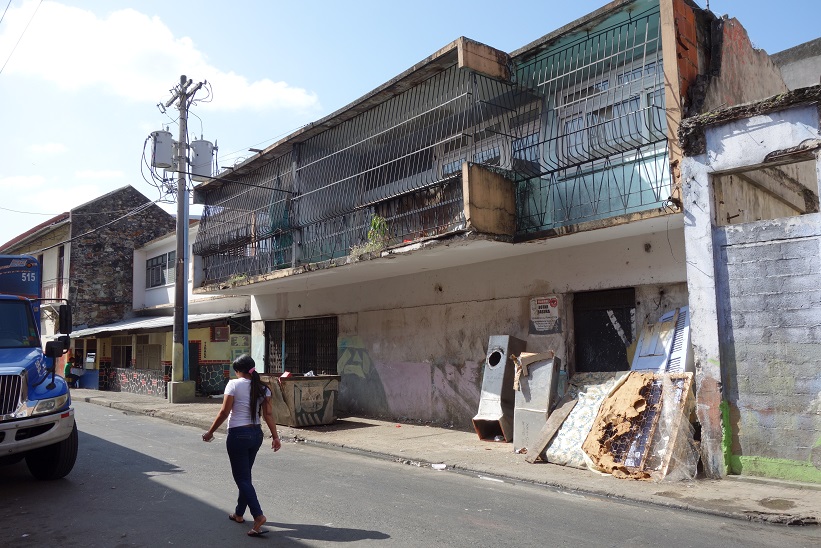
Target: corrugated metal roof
<point>148,323</point>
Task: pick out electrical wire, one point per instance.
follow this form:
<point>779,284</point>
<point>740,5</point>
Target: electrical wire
<point>5,11</point>
<point>21,35</point>
<point>139,209</point>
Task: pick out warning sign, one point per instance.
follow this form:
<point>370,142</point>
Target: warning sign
<point>544,315</point>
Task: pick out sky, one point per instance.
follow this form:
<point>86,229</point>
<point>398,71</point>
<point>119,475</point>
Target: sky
<point>80,80</point>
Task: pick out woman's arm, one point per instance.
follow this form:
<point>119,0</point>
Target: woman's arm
<point>225,410</point>
<point>268,415</point>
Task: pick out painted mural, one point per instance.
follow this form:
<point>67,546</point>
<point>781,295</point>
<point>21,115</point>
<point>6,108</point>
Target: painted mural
<point>360,387</point>
<point>440,392</point>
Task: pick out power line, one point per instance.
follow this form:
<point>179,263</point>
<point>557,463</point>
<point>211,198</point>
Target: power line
<point>90,214</point>
<point>139,209</point>
<point>5,11</point>
<point>21,35</point>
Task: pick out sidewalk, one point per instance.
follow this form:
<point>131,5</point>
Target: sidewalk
<point>745,498</point>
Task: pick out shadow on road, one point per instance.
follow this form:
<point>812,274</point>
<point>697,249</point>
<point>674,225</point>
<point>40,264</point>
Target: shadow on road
<point>119,497</point>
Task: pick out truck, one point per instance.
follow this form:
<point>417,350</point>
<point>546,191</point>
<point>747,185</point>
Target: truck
<point>36,417</point>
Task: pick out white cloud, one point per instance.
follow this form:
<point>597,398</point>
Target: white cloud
<point>48,148</point>
<point>130,54</point>
<point>98,175</point>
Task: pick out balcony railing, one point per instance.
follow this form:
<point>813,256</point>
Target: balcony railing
<point>580,131</point>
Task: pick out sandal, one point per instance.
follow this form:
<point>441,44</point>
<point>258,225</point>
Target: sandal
<point>255,533</point>
<point>236,518</point>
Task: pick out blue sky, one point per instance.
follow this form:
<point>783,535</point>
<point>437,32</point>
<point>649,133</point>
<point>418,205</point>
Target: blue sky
<point>79,86</point>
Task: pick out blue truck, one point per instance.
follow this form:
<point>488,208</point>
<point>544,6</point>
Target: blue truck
<point>36,417</point>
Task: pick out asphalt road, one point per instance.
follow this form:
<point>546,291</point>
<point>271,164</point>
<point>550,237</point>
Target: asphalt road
<point>141,481</point>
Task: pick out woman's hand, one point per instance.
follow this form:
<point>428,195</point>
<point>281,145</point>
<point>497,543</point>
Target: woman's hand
<point>208,436</point>
<point>276,444</point>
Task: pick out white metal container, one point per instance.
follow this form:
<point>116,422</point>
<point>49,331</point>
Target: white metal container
<point>202,153</point>
<point>162,146</point>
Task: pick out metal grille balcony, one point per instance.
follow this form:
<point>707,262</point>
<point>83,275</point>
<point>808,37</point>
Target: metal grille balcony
<point>580,130</point>
<point>596,146</point>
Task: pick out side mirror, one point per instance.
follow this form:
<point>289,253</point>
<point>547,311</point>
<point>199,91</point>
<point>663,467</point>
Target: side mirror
<point>65,319</point>
<point>55,348</point>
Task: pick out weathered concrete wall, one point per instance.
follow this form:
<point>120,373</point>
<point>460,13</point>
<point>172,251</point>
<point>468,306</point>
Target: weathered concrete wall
<point>414,346</point>
<point>740,72</point>
<point>102,255</point>
<point>800,66</point>
<point>769,285</point>
<point>765,193</point>
<point>489,201</point>
<point>756,309</point>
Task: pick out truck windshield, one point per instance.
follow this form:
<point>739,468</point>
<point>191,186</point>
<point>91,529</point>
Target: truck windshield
<point>17,329</point>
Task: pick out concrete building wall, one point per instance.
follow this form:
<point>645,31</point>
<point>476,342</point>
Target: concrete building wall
<point>769,275</point>
<point>414,346</point>
<point>756,306</point>
<point>800,66</point>
<point>741,73</point>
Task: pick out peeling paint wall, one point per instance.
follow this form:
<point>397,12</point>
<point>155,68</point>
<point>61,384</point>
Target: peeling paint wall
<point>414,346</point>
<point>741,73</point>
<point>756,309</point>
<point>769,275</point>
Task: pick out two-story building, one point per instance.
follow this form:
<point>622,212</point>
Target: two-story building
<point>136,352</point>
<point>535,193</point>
<point>86,259</point>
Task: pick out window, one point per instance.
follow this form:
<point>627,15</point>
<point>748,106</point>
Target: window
<point>61,260</point>
<point>599,119</point>
<point>308,345</point>
<point>160,270</point>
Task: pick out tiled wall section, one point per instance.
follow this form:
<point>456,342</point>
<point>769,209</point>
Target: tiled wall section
<point>213,378</point>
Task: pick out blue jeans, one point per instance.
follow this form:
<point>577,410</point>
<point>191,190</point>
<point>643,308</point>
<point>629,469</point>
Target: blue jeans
<point>242,444</point>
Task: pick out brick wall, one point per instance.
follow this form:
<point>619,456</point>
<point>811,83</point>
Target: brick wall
<point>769,287</point>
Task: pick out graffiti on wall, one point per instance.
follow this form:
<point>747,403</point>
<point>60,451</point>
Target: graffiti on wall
<point>148,382</point>
<point>456,391</point>
<point>360,389</point>
<point>443,391</point>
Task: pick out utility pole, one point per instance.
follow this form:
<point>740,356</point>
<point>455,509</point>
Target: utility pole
<point>180,389</point>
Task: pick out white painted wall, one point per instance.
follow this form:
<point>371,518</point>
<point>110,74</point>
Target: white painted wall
<point>163,296</point>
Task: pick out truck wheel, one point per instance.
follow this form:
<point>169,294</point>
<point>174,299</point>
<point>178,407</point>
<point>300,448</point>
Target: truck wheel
<point>54,461</point>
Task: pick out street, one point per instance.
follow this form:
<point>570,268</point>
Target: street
<point>141,481</point>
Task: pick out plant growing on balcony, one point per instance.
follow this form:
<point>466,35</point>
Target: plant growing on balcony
<point>378,237</point>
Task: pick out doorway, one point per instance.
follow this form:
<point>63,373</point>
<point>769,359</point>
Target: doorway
<point>604,329</point>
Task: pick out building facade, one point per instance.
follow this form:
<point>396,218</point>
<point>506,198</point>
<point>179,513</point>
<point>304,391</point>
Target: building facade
<point>536,194</point>
<point>752,174</point>
<point>86,257</point>
<point>135,353</point>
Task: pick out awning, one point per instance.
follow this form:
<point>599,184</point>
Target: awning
<point>152,322</point>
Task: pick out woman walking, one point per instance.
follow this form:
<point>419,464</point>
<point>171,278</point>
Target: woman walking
<point>246,397</point>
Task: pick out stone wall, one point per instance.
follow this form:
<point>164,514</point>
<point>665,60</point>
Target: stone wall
<point>102,254</point>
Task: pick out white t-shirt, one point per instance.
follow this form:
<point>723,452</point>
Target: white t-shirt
<point>241,411</point>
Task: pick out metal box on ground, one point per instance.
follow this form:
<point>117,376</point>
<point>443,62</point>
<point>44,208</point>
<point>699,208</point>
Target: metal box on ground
<point>304,401</point>
<point>494,419</point>
<point>534,398</point>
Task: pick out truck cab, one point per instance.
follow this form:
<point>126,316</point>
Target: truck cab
<point>36,418</point>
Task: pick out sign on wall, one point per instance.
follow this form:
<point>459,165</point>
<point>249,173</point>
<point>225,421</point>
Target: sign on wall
<point>544,315</point>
